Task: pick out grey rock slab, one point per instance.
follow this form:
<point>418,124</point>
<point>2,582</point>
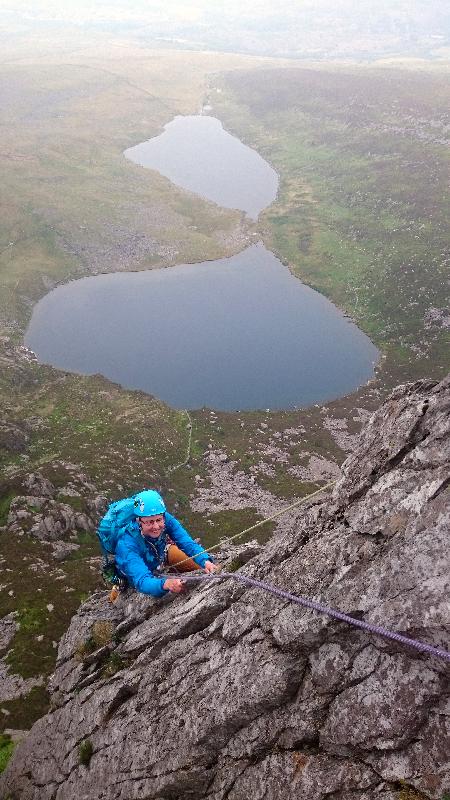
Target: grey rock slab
<point>416,764</point>
<point>301,776</point>
<point>178,619</point>
<point>390,434</point>
<point>240,619</point>
<point>329,665</point>
<point>96,609</point>
<point>13,686</point>
<point>362,716</point>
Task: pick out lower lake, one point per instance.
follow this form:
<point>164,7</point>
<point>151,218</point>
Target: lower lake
<point>237,333</point>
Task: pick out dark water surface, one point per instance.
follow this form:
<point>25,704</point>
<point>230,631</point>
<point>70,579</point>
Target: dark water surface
<point>196,153</point>
<point>237,333</point>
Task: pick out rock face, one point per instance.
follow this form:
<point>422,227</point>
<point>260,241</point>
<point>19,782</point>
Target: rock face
<point>231,693</point>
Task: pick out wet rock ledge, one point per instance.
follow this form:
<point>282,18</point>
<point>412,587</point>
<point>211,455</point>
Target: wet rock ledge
<point>230,693</point>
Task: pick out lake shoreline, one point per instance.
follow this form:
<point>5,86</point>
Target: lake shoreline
<point>253,336</point>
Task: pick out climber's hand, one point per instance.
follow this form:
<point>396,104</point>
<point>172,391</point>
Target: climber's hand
<point>173,585</point>
<point>210,567</point>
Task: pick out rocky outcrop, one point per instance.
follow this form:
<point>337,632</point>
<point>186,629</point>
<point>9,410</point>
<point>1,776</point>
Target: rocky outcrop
<point>13,437</point>
<point>55,514</point>
<point>227,693</point>
<point>12,686</point>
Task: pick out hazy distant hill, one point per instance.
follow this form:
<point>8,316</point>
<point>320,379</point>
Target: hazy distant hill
<point>295,28</point>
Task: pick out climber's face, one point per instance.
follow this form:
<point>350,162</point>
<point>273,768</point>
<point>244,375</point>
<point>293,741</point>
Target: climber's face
<point>152,526</point>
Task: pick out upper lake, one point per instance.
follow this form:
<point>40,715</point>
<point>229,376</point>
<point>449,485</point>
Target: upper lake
<point>237,333</point>
<point>196,153</point>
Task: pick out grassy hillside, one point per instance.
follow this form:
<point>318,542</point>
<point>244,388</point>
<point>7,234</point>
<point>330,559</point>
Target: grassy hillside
<point>71,203</point>
<point>363,203</point>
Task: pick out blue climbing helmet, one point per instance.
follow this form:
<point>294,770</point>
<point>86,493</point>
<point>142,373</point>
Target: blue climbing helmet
<point>148,503</point>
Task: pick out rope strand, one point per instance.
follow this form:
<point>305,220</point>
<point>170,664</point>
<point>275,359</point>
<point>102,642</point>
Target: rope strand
<point>378,630</point>
<point>322,609</point>
<point>258,524</point>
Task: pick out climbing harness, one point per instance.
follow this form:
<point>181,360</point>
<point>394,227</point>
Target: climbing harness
<point>331,612</point>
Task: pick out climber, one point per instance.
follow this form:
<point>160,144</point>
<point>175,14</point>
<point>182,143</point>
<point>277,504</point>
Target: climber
<point>154,541</point>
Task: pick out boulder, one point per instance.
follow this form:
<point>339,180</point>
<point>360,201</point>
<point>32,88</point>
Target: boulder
<point>13,437</point>
<point>54,514</point>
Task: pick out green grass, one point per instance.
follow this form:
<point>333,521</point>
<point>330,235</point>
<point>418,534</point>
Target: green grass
<point>224,524</point>
<point>31,651</point>
<point>89,421</point>
<point>85,752</point>
<point>24,711</point>
<point>34,621</point>
<point>113,664</point>
<point>31,619</point>
<point>77,503</point>
<point>5,503</point>
<point>6,750</point>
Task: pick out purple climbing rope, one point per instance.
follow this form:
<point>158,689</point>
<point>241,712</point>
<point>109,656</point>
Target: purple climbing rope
<point>303,601</point>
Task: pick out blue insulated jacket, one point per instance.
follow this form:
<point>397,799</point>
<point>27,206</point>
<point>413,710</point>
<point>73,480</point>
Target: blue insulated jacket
<point>138,557</point>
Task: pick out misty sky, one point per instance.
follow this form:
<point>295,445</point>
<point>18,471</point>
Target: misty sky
<point>293,28</point>
<point>195,10</point>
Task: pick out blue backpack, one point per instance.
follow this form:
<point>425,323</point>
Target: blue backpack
<point>111,526</point>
